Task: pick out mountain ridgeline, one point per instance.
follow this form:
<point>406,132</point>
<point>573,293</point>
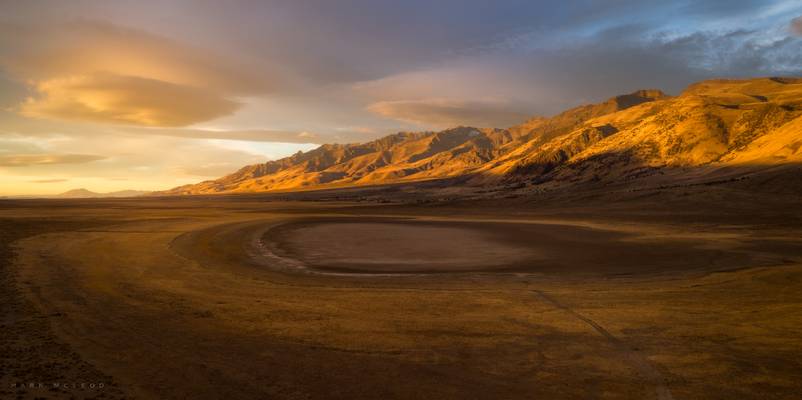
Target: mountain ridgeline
<point>711,129</point>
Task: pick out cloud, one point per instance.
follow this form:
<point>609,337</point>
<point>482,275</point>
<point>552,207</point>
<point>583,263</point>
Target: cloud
<point>11,91</point>
<point>48,180</point>
<point>43,51</point>
<point>212,170</point>
<point>338,47</point>
<point>100,72</point>
<point>330,42</point>
<point>796,26</point>
<point>24,160</point>
<point>111,98</point>
<point>549,79</point>
<point>450,112</point>
<point>255,135</point>
<point>397,58</point>
<point>18,145</point>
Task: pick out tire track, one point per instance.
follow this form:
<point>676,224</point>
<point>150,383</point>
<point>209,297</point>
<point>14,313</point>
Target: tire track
<point>643,367</point>
<point>640,363</point>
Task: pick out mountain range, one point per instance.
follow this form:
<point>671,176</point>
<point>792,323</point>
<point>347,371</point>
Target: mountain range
<point>85,194</point>
<point>712,128</point>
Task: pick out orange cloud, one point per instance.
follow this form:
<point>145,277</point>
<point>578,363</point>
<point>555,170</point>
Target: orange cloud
<point>42,51</point>
<point>450,112</point>
<point>111,98</point>
<point>24,160</point>
<point>796,26</point>
<point>211,170</point>
<point>256,135</point>
<point>100,72</point>
<point>48,180</point>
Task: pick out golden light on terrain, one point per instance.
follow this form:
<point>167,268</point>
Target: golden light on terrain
<point>393,200</point>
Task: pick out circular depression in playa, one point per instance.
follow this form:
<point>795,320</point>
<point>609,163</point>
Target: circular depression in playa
<point>394,246</point>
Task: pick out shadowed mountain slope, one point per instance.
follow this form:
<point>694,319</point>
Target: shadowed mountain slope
<point>712,124</point>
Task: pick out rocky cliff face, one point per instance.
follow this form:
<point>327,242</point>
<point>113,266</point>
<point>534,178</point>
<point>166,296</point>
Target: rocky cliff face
<point>712,124</point>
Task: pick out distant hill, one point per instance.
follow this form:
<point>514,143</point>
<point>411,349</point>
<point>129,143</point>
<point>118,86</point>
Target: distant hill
<point>643,136</point>
<point>84,194</point>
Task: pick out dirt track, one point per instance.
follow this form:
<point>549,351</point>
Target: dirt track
<point>172,299</point>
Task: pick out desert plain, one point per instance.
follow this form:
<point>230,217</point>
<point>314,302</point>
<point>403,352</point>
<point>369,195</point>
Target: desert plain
<point>401,200</point>
<point>684,293</point>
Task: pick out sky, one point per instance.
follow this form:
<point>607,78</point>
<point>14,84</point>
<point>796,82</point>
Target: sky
<point>149,95</point>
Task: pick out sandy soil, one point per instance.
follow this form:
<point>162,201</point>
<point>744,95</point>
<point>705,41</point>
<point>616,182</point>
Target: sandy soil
<point>177,299</point>
<point>34,362</point>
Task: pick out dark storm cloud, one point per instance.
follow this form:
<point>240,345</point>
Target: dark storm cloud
<point>604,67</point>
<point>615,61</point>
<point>358,40</point>
<point>531,53</point>
<point>737,53</point>
<point>355,40</point>
<point>722,8</point>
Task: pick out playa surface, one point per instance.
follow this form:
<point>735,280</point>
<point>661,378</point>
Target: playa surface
<point>256,297</point>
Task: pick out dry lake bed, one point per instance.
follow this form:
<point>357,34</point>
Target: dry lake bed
<point>256,297</point>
